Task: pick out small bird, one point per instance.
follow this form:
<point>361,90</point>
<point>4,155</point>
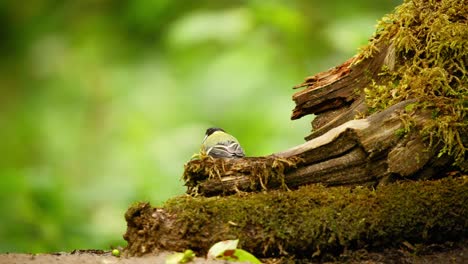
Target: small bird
<point>219,144</point>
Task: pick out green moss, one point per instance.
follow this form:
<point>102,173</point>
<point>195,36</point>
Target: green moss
<point>429,42</point>
<point>401,132</point>
<point>315,220</point>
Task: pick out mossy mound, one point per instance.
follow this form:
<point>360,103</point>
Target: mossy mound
<point>313,221</point>
<point>427,61</point>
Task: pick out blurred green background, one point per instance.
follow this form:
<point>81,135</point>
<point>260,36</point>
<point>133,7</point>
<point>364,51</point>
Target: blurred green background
<point>102,102</point>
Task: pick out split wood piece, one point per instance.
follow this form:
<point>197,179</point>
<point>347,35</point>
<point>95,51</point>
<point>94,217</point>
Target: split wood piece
<point>336,96</point>
<point>363,152</point>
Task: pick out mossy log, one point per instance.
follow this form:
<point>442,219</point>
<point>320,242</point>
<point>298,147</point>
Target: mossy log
<point>311,221</point>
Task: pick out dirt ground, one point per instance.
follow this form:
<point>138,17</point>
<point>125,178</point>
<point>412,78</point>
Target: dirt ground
<point>86,257</point>
<point>453,253</point>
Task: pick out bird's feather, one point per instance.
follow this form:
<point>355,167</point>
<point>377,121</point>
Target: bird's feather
<point>222,145</point>
<point>226,149</point>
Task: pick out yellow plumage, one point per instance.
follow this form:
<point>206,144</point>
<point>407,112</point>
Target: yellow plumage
<point>220,144</point>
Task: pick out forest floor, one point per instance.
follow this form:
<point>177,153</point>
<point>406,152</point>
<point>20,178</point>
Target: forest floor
<point>437,253</point>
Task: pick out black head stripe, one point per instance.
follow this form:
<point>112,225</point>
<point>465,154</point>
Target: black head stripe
<point>211,130</point>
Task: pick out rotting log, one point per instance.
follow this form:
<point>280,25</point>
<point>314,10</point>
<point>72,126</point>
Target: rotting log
<point>335,96</point>
<point>364,151</point>
<point>313,221</point>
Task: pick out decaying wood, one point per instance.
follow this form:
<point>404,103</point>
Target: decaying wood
<point>361,151</point>
<point>335,96</point>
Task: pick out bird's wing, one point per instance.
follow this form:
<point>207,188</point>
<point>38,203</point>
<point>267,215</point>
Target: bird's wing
<point>227,149</point>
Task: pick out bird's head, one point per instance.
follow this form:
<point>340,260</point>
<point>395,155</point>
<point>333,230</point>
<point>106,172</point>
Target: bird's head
<point>211,130</point>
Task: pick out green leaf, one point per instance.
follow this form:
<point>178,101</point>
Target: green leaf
<point>219,248</point>
<point>228,250</point>
<point>174,258</point>
<point>241,255</point>
<point>178,257</point>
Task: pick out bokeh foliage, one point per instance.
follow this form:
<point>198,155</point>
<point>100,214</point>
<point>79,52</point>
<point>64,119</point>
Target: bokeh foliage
<point>102,102</point>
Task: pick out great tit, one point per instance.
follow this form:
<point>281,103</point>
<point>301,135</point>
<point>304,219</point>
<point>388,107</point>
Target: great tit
<point>219,144</point>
